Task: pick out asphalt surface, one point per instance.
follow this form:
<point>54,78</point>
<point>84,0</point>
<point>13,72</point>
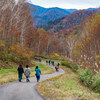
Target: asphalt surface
<point>23,90</point>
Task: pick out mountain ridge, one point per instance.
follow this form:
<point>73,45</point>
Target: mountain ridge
<point>45,15</point>
<point>69,21</point>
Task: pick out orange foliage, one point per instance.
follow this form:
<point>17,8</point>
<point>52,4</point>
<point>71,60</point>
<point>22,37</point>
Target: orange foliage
<point>12,48</point>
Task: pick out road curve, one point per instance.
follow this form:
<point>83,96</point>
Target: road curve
<point>25,91</point>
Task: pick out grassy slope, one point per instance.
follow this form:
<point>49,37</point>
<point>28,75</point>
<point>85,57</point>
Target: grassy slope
<point>7,64</point>
<point>66,87</point>
<point>9,75</point>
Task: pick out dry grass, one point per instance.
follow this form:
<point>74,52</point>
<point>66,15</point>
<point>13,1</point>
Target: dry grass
<point>66,87</point>
<point>4,78</point>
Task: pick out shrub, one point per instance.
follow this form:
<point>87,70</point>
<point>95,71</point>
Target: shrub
<point>20,59</point>
<point>20,55</point>
<point>4,55</point>
<point>89,79</point>
<point>55,55</point>
<point>70,64</point>
<point>2,45</point>
<point>96,83</point>
<point>45,57</point>
<point>86,76</point>
<point>15,53</point>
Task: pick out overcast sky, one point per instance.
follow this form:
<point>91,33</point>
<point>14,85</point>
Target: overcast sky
<point>78,4</point>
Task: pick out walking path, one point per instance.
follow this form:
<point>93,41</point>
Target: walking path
<point>25,91</point>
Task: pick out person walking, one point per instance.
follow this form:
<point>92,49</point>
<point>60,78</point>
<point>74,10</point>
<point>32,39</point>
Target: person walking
<point>57,68</point>
<point>20,72</point>
<point>38,72</point>
<point>58,64</point>
<point>27,73</point>
<point>46,61</point>
<point>53,63</point>
<point>49,62</point>
<point>39,59</point>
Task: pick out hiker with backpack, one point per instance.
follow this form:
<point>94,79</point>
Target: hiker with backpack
<point>27,73</point>
<point>57,68</point>
<point>38,72</point>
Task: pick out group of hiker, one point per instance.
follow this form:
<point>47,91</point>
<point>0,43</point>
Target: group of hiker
<point>50,62</point>
<point>53,64</point>
<point>27,70</point>
<point>37,59</point>
<point>27,73</point>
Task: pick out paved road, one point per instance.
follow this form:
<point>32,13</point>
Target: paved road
<point>23,90</point>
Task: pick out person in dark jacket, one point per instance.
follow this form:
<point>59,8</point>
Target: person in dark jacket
<point>57,68</point>
<point>20,72</point>
<point>38,72</point>
<point>46,61</point>
<point>53,63</point>
<point>49,62</point>
<point>58,64</point>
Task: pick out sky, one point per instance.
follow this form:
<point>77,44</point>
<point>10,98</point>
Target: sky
<point>68,4</point>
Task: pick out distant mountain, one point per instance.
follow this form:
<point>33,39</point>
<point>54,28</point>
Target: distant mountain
<point>45,15</point>
<point>69,21</point>
<point>71,10</point>
<point>91,8</point>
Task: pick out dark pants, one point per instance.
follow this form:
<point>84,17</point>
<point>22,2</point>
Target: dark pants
<point>38,78</point>
<point>27,78</point>
<point>20,77</point>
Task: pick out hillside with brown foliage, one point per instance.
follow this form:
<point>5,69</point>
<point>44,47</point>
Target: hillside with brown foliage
<point>70,21</point>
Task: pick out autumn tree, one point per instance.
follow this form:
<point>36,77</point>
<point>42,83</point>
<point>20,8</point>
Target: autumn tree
<point>89,43</point>
<point>15,20</point>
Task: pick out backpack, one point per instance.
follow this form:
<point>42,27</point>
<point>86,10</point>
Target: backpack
<point>27,73</point>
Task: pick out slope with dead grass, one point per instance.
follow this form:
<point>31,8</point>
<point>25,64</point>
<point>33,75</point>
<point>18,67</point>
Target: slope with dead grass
<point>66,87</point>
